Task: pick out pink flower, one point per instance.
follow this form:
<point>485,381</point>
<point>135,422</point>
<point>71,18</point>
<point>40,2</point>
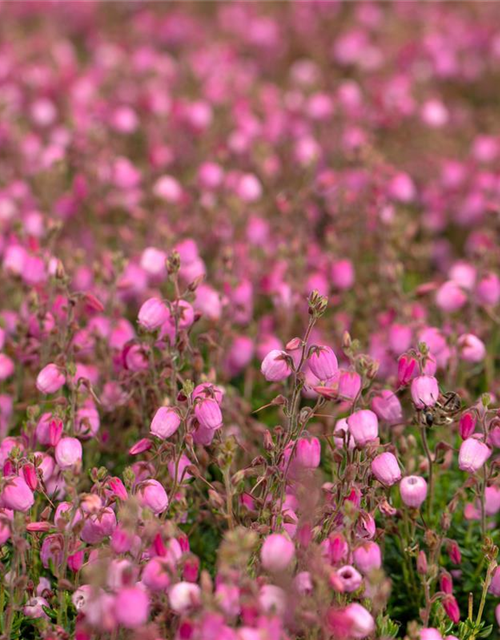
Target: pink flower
<point>208,414</point>
<point>472,455</point>
<point>424,391</point>
<point>17,495</point>
<point>68,453</point>
<point>350,578</point>
<point>155,574</point>
<point>308,453</point>
<point>471,348</point>
<point>153,314</point>
<point>387,407</point>
<point>277,552</point>
<point>131,607</point>
<point>323,363</point>
<point>50,379</point>
<point>450,297</point>
<point>363,426</point>
<point>184,596</point>
<point>385,468</point>
<point>165,423</point>
<point>275,366</point>
<point>413,491</point>
<point>467,425</point>
<point>152,495</point>
<point>362,622</point>
<point>368,557</point>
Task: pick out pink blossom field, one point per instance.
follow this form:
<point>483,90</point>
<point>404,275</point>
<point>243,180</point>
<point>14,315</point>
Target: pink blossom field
<point>249,320</point>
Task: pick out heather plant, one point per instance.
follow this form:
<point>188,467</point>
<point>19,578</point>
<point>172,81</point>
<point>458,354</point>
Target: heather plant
<point>249,322</point>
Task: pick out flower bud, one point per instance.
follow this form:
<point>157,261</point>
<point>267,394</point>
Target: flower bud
<point>472,455</point>
<point>208,414</point>
<point>17,495</point>
<point>277,552</point>
<point>323,363</point>
<point>68,452</point>
<point>387,407</point>
<point>422,566</point>
<point>184,596</point>
<point>308,453</point>
<point>363,426</point>
<point>407,369</point>
<point>450,606</point>
<point>152,314</point>
<point>165,423</point>
<point>131,607</point>
<point>450,297</point>
<point>152,495</point>
<point>349,384</point>
<point>350,578</point>
<point>275,366</point>
<point>155,575</point>
<point>368,557</point>
<point>471,348</point>
<point>385,468</point>
<point>50,379</point>
<point>494,587</point>
<point>413,490</point>
<point>467,425</point>
<point>29,475</point>
<point>362,623</point>
<point>424,391</point>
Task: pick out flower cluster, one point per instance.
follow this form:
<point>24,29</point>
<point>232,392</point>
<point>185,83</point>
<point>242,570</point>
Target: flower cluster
<point>249,323</point>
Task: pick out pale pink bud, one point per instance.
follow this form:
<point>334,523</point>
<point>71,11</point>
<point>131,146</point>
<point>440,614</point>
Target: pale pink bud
<point>424,391</point>
<point>277,552</point>
<point>363,426</point>
<point>68,452</point>
<point>413,491</point>
<point>275,366</point>
<point>165,423</point>
<point>208,414</point>
<point>323,363</point>
<point>153,314</point>
<point>368,557</point>
<point>385,468</point>
<point>17,495</point>
<point>152,495</point>
<point>50,379</point>
<point>472,455</point>
<point>140,447</point>
<point>184,596</point>
<point>131,607</point>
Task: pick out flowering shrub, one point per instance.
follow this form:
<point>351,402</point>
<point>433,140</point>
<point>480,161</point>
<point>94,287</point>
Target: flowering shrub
<point>249,323</point>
